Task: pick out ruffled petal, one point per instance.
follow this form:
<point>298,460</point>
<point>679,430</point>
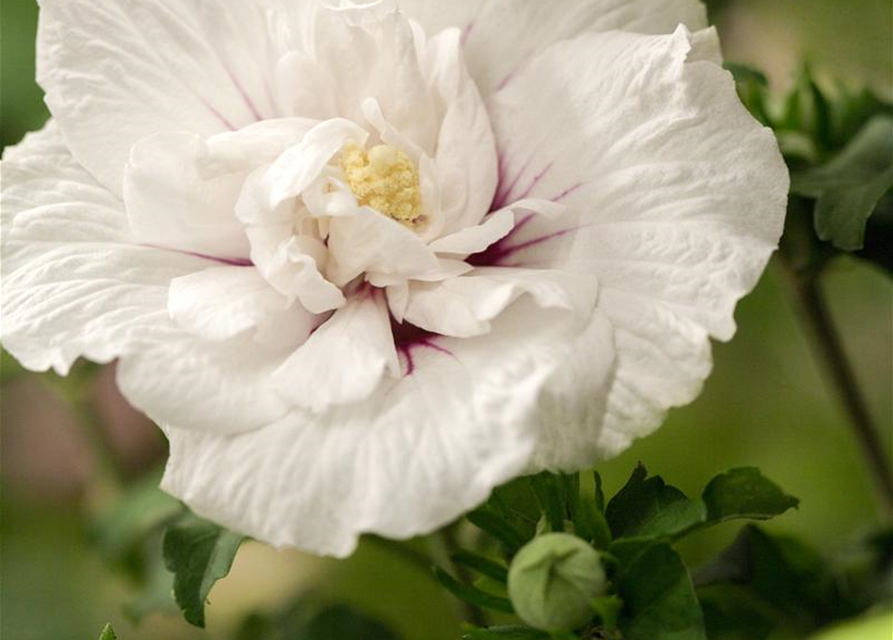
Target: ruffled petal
<point>116,72</point>
<point>421,451</point>
<point>525,27</point>
<point>224,302</point>
<point>74,282</point>
<point>170,204</point>
<point>344,360</point>
<point>675,200</point>
<point>464,307</point>
<point>209,386</point>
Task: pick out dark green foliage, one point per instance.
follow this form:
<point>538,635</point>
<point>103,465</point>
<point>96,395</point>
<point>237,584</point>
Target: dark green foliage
<point>647,507</point>
<point>744,493</point>
<point>848,188</point>
<point>651,594</point>
<point>659,598</point>
<point>471,594</point>
<point>198,553</point>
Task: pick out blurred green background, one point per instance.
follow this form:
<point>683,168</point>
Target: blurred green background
<point>765,405</point>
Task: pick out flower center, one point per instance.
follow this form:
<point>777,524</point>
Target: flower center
<point>385,179</point>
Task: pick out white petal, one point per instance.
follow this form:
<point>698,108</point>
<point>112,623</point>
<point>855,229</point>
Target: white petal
<point>115,72</point>
<point>215,387</point>
<point>525,27</point>
<point>466,157</point>
<point>675,197</point>
<point>74,282</point>
<point>171,205</point>
<point>370,52</point>
<point>575,400</point>
<point>344,360</point>
<point>423,450</point>
<point>371,242</point>
<point>477,238</point>
<point>465,306</point>
<point>223,302</point>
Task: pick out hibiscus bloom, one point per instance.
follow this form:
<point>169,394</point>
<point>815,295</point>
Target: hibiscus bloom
<point>365,262</point>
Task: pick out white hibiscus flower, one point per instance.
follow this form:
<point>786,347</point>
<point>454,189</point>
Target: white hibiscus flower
<point>365,262</point>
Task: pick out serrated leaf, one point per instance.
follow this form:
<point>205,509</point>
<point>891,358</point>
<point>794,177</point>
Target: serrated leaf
<point>484,566</point>
<point>472,594</point>
<point>649,507</point>
<point>108,633</point>
<point>198,553</point>
<point>849,187</point>
<point>506,633</point>
<point>659,599</point>
<point>745,493</point>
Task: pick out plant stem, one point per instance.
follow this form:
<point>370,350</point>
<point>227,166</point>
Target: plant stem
<point>828,347</point>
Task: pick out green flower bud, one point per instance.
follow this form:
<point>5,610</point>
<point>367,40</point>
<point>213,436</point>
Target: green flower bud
<point>553,580</point>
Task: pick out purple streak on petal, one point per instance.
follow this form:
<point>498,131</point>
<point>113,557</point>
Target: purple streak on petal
<point>247,99</point>
<point>561,196</point>
<point>505,81</point>
<point>233,262</point>
<point>408,338</point>
<point>536,181</point>
<point>504,190</point>
<point>226,123</point>
<point>466,32</point>
<point>496,254</point>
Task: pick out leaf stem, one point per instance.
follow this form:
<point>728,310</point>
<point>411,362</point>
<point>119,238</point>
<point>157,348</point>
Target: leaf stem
<point>828,348</point>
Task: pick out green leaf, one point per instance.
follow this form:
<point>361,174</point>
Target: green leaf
<point>607,608</point>
<point>848,188</point>
<point>599,492</point>
<point>744,493</point>
<point>471,594</point>
<point>783,578</point>
<point>551,499</point>
<point>649,507</point>
<point>199,553</point>
<point>339,621</point>
<point>144,508</point>
<point>659,600</point>
<point>484,566</point>
<point>590,524</point>
<point>156,593</point>
<point>498,527</point>
<point>108,633</point>
<point>506,633</point>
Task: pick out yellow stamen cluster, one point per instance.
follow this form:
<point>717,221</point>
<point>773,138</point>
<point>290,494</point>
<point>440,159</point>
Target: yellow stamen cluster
<point>385,179</point>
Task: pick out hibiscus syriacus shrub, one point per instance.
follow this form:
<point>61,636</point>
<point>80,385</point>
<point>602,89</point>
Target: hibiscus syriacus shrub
<point>376,266</point>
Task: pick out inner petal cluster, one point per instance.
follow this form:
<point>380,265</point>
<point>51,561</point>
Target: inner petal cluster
<point>385,179</point>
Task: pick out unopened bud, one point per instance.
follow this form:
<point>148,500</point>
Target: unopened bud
<point>553,580</point>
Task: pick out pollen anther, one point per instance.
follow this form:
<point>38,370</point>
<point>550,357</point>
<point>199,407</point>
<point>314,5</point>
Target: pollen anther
<point>385,179</point>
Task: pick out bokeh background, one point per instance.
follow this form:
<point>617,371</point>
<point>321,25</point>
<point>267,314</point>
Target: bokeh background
<point>765,405</point>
